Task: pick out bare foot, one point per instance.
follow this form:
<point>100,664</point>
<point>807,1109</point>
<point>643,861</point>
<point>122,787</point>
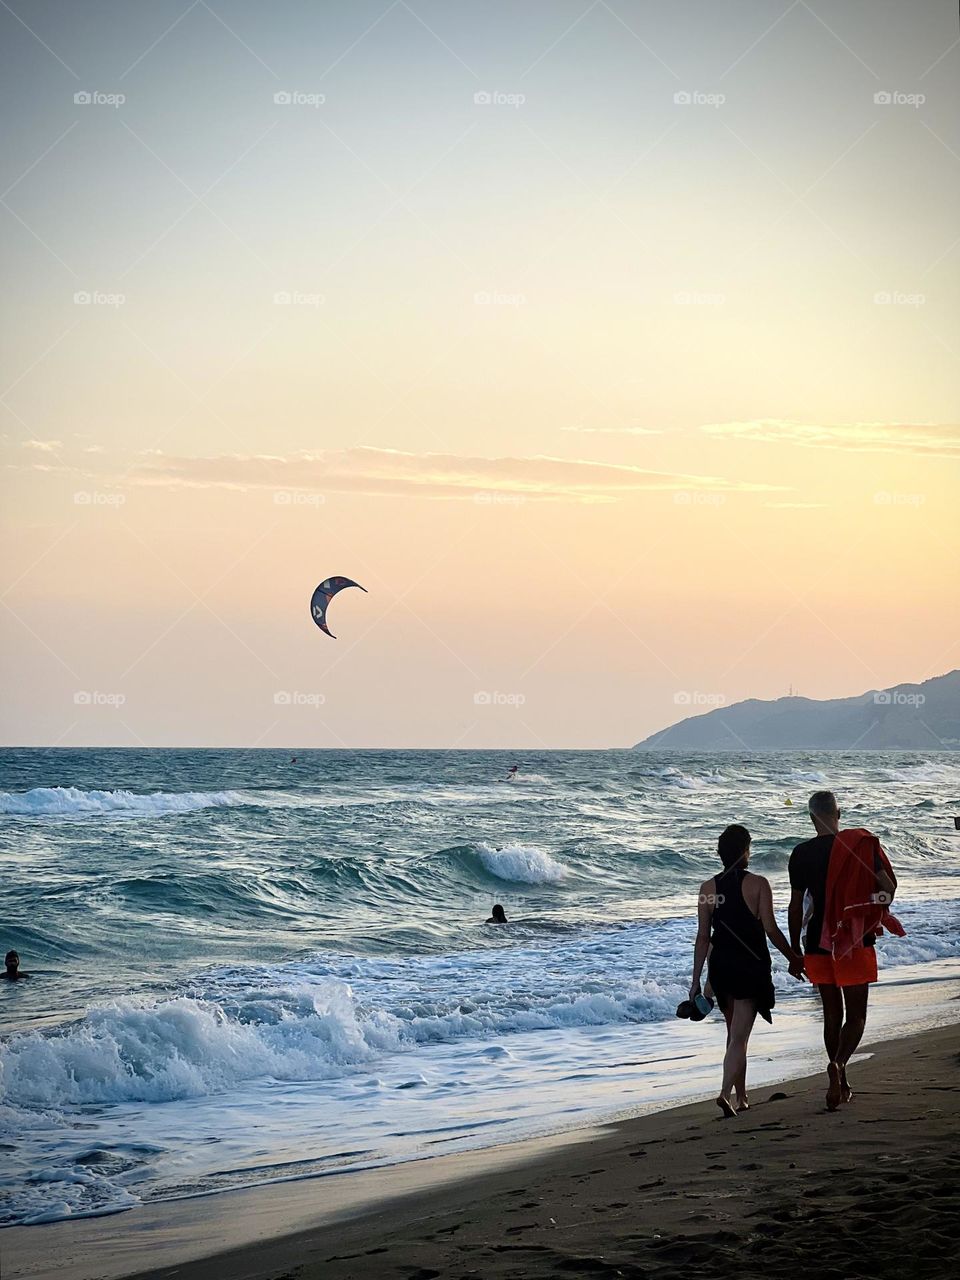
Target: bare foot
<point>725,1107</point>
<point>834,1088</point>
<point>846,1093</point>
<point>743,1104</point>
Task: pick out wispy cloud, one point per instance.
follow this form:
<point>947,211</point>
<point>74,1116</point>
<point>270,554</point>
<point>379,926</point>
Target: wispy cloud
<point>795,506</point>
<point>922,439</point>
<point>614,431</point>
<point>42,446</point>
<point>389,472</point>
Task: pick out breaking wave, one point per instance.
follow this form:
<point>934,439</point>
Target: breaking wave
<point>44,802</point>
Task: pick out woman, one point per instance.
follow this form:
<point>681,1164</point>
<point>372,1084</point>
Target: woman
<point>735,918</point>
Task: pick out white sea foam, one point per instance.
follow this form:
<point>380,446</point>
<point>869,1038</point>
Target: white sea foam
<point>687,781</point>
<point>522,863</point>
<point>54,1194</point>
<point>929,773</point>
<point>136,1051</point>
<point>42,802</point>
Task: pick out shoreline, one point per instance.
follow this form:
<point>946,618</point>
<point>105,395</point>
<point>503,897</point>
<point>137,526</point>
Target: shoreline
<point>578,1192</point>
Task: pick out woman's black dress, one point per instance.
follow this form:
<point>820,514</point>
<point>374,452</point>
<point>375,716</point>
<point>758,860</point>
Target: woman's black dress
<point>739,966</point>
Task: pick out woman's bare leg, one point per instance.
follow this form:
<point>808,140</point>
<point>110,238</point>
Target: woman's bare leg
<point>740,1025</point>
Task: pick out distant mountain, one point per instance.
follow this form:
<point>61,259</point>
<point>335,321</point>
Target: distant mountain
<point>908,717</point>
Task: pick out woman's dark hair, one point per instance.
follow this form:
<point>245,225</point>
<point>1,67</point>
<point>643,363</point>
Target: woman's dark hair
<point>732,845</point>
<point>498,914</point>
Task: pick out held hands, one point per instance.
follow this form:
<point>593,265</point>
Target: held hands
<point>795,966</point>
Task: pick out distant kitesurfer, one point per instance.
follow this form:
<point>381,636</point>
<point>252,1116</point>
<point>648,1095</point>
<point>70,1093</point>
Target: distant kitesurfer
<point>497,915</point>
<point>512,773</point>
<point>12,971</point>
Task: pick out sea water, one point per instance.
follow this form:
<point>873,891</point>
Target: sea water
<point>248,968</point>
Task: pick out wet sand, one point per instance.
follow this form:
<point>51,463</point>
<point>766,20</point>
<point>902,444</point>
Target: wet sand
<point>787,1188</point>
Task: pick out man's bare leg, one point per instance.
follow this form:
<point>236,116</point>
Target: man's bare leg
<point>832,1001</point>
<point>851,1033</point>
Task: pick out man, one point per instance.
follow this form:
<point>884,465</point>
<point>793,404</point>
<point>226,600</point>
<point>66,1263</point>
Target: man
<point>12,967</point>
<point>843,980</point>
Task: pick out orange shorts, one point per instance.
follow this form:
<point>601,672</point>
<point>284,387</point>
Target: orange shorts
<point>848,971</point>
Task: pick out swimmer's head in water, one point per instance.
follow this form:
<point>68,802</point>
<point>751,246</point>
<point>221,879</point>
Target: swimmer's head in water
<point>12,961</point>
<point>498,915</point>
<point>734,846</point>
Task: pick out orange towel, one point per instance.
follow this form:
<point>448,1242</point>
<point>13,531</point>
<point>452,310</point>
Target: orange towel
<point>849,910</point>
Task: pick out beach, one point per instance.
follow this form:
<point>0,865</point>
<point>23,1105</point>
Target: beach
<point>787,1187</point>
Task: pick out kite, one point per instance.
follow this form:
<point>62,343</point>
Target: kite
<point>320,600</point>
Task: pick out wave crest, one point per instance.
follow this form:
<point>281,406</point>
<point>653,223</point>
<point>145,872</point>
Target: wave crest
<point>44,802</point>
<point>522,863</point>
<point>132,1050</point>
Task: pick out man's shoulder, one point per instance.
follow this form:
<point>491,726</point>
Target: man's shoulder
<point>802,848</point>
<point>815,844</point>
<point>807,859</point>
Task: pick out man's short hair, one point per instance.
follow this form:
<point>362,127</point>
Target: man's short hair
<point>11,955</point>
<point>823,804</point>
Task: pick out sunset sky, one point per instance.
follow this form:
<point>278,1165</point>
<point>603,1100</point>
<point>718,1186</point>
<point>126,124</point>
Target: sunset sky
<point>613,347</point>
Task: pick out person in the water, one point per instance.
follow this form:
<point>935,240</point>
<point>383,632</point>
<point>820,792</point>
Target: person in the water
<point>497,915</point>
<point>12,971</point>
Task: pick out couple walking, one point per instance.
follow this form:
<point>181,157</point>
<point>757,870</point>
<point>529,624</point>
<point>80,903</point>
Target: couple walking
<point>841,884</point>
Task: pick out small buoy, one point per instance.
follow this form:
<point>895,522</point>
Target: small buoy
<point>788,801</point>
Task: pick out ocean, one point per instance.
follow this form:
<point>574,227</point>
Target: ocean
<point>247,969</point>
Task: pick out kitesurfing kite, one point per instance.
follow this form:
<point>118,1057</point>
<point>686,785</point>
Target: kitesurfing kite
<point>320,600</point>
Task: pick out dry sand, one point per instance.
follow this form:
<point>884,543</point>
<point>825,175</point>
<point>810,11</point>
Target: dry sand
<point>786,1189</point>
